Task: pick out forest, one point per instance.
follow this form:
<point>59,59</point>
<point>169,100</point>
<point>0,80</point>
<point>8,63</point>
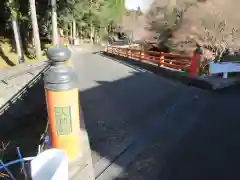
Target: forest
<point>171,25</point>
<point>20,32</point>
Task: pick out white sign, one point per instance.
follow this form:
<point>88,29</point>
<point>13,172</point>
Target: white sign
<point>225,68</point>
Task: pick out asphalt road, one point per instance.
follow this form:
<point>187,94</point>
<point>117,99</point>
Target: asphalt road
<point>142,126</point>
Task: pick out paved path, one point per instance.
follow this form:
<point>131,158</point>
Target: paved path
<point>142,126</point>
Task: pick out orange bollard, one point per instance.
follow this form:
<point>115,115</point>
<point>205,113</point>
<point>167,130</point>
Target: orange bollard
<point>193,69</point>
<point>62,104</point>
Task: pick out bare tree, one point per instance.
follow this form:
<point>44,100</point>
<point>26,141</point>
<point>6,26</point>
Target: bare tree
<point>212,24</point>
<point>218,35</point>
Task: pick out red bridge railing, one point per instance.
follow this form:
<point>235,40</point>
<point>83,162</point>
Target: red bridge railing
<point>189,64</point>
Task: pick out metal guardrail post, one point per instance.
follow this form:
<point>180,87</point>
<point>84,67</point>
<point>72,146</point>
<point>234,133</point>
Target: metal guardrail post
<point>61,93</point>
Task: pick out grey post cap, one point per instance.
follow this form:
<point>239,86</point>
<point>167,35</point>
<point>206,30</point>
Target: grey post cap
<point>59,54</point>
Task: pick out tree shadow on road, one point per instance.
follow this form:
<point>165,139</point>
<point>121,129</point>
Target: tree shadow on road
<point>128,129</point>
<point>142,127</point>
<point>123,116</point>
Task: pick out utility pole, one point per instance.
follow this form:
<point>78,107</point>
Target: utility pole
<point>54,23</point>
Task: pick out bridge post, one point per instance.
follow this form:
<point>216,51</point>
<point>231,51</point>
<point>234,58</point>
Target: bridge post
<point>193,70</point>
<point>161,60</point>
<point>61,93</point>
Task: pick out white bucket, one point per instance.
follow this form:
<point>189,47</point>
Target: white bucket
<point>51,164</point>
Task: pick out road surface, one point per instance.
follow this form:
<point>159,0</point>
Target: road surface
<point>142,126</point>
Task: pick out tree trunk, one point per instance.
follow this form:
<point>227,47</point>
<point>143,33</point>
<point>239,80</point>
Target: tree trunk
<point>17,41</point>
<point>13,9</point>
<point>91,24</point>
<point>54,23</point>
<point>81,34</point>
<point>24,36</point>
<point>71,33</point>
<point>74,31</point>
<point>93,35</point>
<point>35,29</point>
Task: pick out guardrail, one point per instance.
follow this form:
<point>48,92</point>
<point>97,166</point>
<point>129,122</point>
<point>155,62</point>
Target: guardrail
<point>177,62</point>
<point>13,74</point>
<point>36,77</point>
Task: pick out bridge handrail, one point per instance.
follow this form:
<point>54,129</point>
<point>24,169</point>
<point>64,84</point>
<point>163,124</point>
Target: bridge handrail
<point>159,58</point>
<point>171,55</point>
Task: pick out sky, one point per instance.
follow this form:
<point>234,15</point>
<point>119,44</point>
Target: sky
<point>134,4</point>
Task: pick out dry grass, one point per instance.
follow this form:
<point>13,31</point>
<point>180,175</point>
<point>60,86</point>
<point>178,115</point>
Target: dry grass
<point>3,148</point>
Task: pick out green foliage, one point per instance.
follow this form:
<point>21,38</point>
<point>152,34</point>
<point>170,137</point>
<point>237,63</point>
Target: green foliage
<point>13,8</point>
<point>113,10</point>
<point>101,15</point>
